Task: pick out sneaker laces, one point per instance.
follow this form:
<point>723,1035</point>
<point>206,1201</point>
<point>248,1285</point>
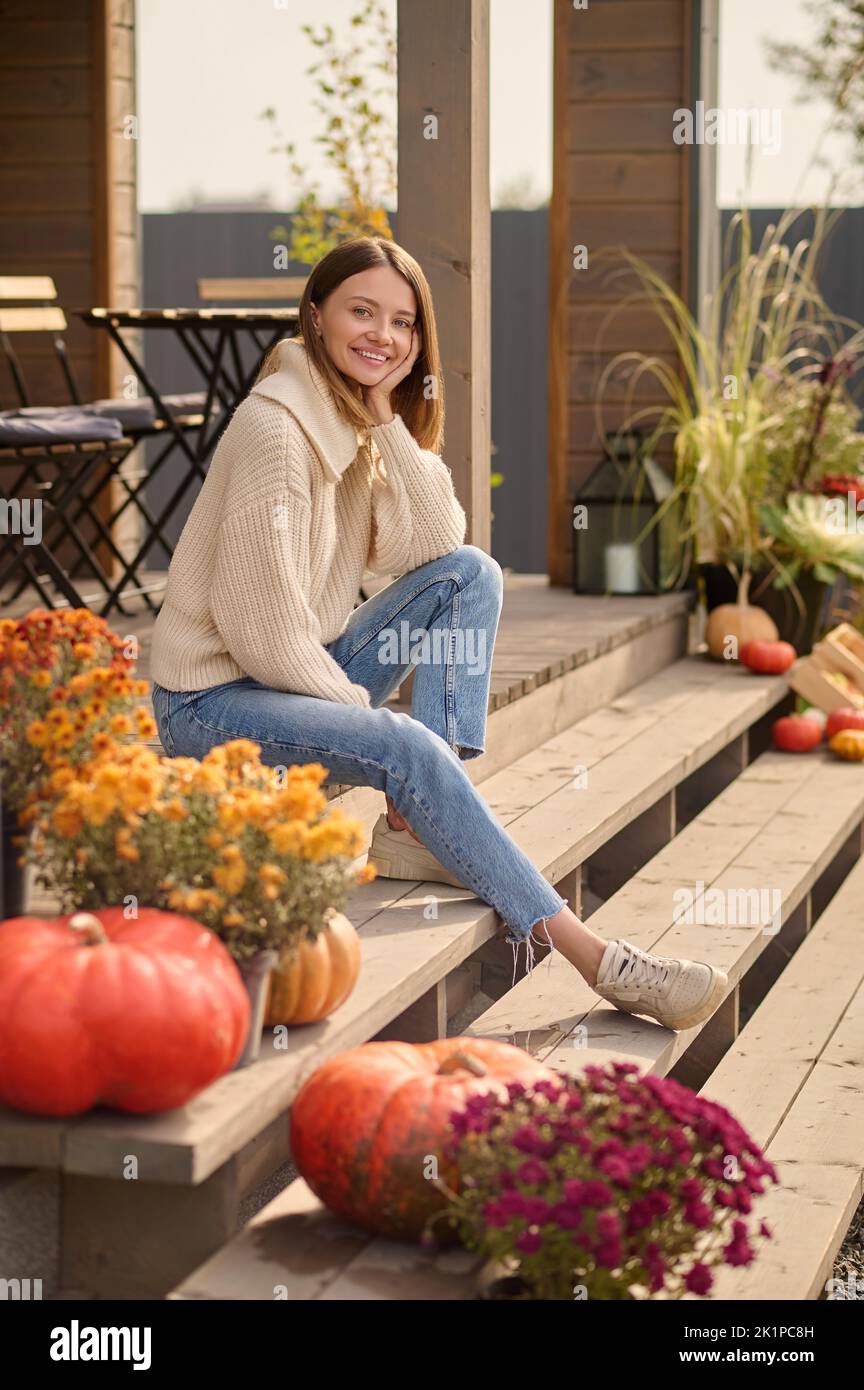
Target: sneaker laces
<point>639,968</point>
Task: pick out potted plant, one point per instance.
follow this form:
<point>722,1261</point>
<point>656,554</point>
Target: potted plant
<point>611,1185</point>
<point>247,850</point>
<point>67,684</point>
<point>758,411</point>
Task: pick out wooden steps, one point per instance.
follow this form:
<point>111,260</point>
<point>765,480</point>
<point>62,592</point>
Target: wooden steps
<point>653,758</point>
<point>784,824</point>
<point>794,820</point>
<point>793,1079</point>
<point>637,749</point>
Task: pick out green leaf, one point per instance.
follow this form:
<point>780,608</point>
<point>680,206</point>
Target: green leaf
<point>826,573</point>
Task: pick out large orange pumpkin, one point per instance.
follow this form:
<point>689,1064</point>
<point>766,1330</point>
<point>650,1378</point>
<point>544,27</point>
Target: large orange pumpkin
<point>370,1124</point>
<point>96,1009</point>
<point>316,977</point>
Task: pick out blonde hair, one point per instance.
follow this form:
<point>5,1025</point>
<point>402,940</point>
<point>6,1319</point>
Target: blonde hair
<point>424,416</point>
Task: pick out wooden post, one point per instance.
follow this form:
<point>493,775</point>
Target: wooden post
<point>444,219</point>
<point>621,70</point>
<point>116,271</point>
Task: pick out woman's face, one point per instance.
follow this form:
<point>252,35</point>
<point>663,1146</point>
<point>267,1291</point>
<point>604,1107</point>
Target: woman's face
<point>366,324</point>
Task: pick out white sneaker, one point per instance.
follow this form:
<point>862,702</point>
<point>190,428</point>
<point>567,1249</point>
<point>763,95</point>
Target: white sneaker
<point>396,854</point>
<point>678,993</point>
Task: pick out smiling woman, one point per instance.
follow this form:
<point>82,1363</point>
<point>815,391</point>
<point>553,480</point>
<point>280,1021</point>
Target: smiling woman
<point>258,637</point>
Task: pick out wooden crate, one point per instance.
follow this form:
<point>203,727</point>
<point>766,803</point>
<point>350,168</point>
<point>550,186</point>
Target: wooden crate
<point>841,652</point>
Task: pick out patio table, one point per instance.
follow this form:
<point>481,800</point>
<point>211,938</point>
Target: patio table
<point>214,341</point>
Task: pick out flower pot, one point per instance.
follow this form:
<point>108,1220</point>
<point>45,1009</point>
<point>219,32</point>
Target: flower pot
<point>12,875</point>
<point>801,630</point>
<point>501,1279</point>
<point>255,974</point>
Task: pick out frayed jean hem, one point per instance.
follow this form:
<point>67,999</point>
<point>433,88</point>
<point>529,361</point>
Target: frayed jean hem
<point>515,940</point>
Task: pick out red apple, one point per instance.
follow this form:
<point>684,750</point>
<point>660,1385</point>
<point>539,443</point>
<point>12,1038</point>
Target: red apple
<point>844,718</point>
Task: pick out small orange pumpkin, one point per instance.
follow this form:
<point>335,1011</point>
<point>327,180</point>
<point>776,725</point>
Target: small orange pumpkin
<point>315,978</point>
<point>740,622</point>
<point>848,744</point>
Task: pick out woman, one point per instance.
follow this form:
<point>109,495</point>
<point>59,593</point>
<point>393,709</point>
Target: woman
<point>328,467</point>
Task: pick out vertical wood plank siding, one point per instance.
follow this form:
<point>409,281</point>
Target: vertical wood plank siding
<point>621,69</point>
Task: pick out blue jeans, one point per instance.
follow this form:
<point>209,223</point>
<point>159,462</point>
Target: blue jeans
<point>442,619</point>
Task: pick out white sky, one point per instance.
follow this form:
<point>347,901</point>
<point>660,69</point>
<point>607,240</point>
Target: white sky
<point>207,68</point>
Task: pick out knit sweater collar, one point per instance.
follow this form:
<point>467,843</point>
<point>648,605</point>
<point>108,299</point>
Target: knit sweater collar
<point>299,385</point>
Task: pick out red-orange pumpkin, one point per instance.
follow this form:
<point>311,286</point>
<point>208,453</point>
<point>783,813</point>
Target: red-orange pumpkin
<point>96,1009</point>
<point>366,1124</point>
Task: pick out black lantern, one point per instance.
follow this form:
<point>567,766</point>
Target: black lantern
<point>615,548</point>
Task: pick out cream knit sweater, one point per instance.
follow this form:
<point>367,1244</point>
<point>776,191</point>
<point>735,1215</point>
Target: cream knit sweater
<point>291,513</point>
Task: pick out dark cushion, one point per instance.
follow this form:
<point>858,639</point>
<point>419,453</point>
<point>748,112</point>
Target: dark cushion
<point>54,425</point>
<point>140,413</point>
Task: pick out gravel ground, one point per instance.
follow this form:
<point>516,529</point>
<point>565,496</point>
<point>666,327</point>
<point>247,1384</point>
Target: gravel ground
<point>849,1265</point>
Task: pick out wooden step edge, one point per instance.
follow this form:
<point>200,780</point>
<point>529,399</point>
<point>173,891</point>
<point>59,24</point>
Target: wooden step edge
<point>587,1025</point>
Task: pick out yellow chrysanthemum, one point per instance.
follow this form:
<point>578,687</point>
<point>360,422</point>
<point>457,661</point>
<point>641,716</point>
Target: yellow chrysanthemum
<point>37,733</point>
<point>231,817</point>
<point>241,750</point>
<point>60,778</point>
<point>41,679</point>
<point>98,805</point>
<point>120,724</point>
<point>207,779</point>
<point>231,876</point>
<point>124,849</point>
<point>288,837</point>
<point>67,820</point>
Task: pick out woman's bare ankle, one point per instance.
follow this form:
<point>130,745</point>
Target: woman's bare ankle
<point>575,941</point>
<point>396,821</point>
